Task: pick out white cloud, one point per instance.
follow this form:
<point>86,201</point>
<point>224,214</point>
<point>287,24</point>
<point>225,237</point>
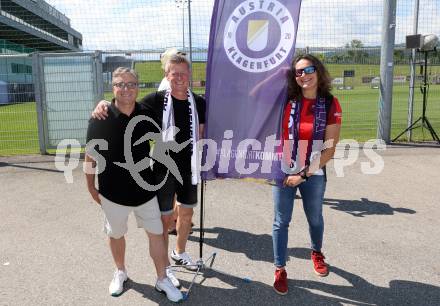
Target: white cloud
<point>135,24</point>
<point>429,22</point>
<point>157,24</point>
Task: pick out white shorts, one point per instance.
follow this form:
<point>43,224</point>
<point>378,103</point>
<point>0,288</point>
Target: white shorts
<point>148,216</point>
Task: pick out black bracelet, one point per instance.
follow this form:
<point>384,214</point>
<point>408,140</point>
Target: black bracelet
<point>303,174</point>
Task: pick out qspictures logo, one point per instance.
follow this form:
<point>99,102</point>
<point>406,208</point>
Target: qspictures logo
<point>259,35</point>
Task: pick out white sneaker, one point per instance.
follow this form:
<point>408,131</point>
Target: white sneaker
<point>117,285</point>
<point>165,286</point>
<point>184,260</point>
<point>172,277</point>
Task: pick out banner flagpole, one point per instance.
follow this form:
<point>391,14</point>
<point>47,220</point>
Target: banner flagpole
<point>202,215</point>
<point>251,46</point>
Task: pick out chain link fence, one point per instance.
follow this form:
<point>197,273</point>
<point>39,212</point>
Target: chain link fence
<point>18,112</point>
<point>346,35</point>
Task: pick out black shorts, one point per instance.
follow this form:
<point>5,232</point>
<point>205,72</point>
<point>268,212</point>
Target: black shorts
<point>186,194</point>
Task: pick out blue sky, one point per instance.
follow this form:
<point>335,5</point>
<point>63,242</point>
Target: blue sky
<point>157,24</point>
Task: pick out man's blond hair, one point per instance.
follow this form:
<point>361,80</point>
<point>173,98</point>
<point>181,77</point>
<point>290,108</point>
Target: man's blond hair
<point>164,57</point>
<point>177,58</point>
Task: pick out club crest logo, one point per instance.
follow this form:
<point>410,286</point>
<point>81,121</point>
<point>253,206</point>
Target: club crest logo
<point>259,35</point>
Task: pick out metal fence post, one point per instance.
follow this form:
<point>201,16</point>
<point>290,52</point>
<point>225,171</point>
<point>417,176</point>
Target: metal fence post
<point>36,76</point>
<point>190,38</point>
<point>98,77</point>
<point>386,70</point>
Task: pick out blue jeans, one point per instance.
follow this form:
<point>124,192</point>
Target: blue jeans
<point>312,193</point>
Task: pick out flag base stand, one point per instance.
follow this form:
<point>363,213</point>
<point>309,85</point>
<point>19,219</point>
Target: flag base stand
<point>205,265</point>
<point>202,264</point>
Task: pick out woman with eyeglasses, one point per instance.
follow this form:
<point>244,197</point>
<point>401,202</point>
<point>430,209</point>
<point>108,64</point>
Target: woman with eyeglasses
<point>310,131</point>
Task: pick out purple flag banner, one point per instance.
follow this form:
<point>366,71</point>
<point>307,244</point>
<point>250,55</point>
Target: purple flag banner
<point>250,49</point>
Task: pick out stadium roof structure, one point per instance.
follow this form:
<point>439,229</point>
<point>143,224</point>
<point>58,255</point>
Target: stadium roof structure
<point>36,24</point>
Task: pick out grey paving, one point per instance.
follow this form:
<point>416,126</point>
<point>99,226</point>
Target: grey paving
<point>381,239</point>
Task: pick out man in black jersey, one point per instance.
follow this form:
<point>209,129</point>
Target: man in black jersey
<point>181,114</point>
<point>120,193</point>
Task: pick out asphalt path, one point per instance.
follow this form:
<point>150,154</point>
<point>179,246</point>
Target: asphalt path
<point>381,239</point>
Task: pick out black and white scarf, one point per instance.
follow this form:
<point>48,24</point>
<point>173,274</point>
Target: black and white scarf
<point>169,131</point>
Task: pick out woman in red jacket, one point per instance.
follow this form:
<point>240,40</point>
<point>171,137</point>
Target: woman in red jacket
<point>310,129</point>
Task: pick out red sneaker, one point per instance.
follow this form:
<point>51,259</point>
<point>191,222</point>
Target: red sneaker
<point>319,265</point>
<point>280,283</point>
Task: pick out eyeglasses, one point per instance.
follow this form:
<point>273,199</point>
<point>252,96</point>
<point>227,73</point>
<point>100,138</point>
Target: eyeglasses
<point>306,70</point>
<point>179,74</point>
<point>129,85</point>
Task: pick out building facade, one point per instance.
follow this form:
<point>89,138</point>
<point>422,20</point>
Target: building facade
<point>28,26</point>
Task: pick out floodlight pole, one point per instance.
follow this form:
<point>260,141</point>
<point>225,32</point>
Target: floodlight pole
<point>190,38</point>
<point>413,72</point>
<point>181,4</point>
<point>186,4</point>
<point>183,28</point>
<point>386,71</point>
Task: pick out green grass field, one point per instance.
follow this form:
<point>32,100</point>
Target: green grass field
<point>18,129</point>
<point>18,123</point>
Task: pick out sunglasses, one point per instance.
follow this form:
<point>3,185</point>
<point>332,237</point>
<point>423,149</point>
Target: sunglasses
<point>129,85</point>
<point>306,70</point>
